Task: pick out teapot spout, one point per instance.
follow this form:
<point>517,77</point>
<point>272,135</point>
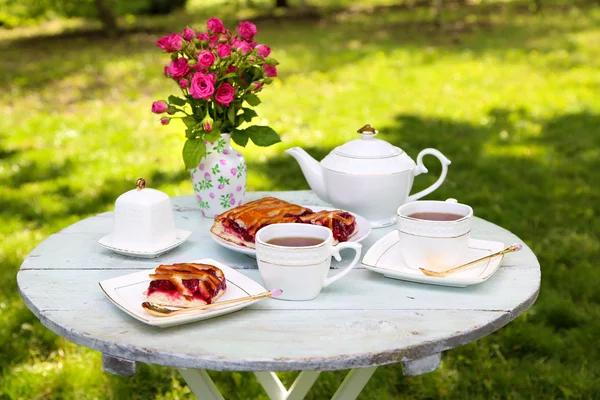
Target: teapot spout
<point>312,170</point>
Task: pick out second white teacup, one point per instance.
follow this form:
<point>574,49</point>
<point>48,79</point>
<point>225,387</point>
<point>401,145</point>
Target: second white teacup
<point>299,270</point>
<point>434,234</point>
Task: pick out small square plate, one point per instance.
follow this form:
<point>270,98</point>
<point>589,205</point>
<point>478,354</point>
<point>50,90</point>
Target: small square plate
<point>127,293</point>
<point>385,257</point>
<point>107,243</point>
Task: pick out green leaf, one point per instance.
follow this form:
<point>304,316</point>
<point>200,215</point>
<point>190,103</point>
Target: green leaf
<point>231,75</point>
<point>263,135</point>
<point>231,115</point>
<point>249,114</point>
<point>177,101</point>
<point>212,136</point>
<point>240,137</point>
<point>252,99</point>
<point>190,122</point>
<point>239,120</point>
<point>193,151</point>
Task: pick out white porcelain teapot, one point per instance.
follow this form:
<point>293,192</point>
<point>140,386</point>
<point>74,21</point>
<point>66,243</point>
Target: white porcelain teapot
<point>367,176</point>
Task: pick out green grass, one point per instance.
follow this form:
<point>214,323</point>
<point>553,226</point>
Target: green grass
<point>512,98</point>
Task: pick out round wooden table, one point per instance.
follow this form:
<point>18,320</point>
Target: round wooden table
<point>360,322</point>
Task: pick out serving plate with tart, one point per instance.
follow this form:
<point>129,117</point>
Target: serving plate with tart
<point>236,228</point>
<point>130,291</point>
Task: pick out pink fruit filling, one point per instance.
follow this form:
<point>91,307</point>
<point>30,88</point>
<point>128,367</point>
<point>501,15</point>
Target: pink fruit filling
<point>199,291</point>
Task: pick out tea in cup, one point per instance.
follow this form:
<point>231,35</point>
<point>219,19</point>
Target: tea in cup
<point>296,259</point>
<point>434,234</point>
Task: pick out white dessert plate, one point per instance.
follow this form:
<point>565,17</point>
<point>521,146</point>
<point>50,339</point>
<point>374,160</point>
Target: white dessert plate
<point>385,257</point>
<point>107,243</point>
<point>364,229</point>
<point>127,293</point>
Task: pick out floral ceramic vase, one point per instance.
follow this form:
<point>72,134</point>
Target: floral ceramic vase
<point>220,178</point>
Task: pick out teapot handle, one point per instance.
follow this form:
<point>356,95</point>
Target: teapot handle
<point>420,169</point>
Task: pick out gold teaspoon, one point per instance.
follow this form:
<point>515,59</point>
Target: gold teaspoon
<point>161,311</point>
<point>428,272</point>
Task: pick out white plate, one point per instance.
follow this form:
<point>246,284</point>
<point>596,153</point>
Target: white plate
<point>364,229</point>
<point>384,257</point>
<point>106,242</point>
<point>127,293</point>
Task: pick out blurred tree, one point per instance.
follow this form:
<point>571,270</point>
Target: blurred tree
<point>20,12</point>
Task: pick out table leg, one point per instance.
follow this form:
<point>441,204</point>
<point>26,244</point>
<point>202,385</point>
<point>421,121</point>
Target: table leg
<point>276,391</point>
<point>354,383</point>
<point>200,383</point>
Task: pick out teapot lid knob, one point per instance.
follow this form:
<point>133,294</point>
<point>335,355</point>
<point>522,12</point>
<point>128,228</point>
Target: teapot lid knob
<point>140,184</point>
<point>368,131</point>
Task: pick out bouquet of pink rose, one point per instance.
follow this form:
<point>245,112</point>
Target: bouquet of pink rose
<point>220,74</point>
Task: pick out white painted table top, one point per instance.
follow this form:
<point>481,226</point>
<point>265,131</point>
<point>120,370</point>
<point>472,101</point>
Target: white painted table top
<point>362,320</point>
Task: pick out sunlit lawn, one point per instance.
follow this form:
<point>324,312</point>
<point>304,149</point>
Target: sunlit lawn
<point>513,99</point>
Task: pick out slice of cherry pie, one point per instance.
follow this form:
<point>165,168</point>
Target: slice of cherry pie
<point>240,224</point>
<point>186,285</point>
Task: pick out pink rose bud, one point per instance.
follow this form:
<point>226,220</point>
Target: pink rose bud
<point>183,83</point>
<point>206,58</point>
<point>256,86</point>
<point>203,37</point>
<point>166,71</point>
<point>207,123</point>
<point>179,68</point>
<point>231,69</point>
<point>246,30</point>
<point>225,94</point>
<point>170,43</point>
<point>215,25</point>
<point>270,71</point>
<point>262,50</point>
<point>159,107</point>
<point>188,34</point>
<point>223,50</point>
<point>165,121</point>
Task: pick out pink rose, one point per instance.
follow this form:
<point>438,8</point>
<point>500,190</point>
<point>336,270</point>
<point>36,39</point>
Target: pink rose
<point>215,25</point>
<point>166,71</point>
<point>246,30</point>
<point>179,68</point>
<point>203,37</point>
<point>159,107</point>
<point>270,71</point>
<point>232,201</point>
<point>226,152</point>
<point>183,83</point>
<point>262,50</point>
<point>211,195</point>
<point>221,186</point>
<point>225,94</point>
<point>239,203</point>
<point>239,188</point>
<point>206,175</point>
<point>188,34</point>
<point>165,121</point>
<point>243,47</point>
<point>202,86</point>
<point>201,166</point>
<point>213,41</point>
<point>223,50</point>
<point>223,162</point>
<point>233,172</point>
<point>206,58</point>
<point>170,42</point>
<point>199,197</point>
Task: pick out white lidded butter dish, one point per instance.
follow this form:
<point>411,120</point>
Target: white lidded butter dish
<point>143,223</point>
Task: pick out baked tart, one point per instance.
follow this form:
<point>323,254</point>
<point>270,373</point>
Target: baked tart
<point>240,224</point>
<point>186,285</point>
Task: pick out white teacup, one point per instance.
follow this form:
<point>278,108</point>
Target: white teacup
<point>433,244</point>
<point>300,272</point>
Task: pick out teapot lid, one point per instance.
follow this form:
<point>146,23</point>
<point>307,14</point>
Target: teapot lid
<point>367,146</point>
<point>142,195</point>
